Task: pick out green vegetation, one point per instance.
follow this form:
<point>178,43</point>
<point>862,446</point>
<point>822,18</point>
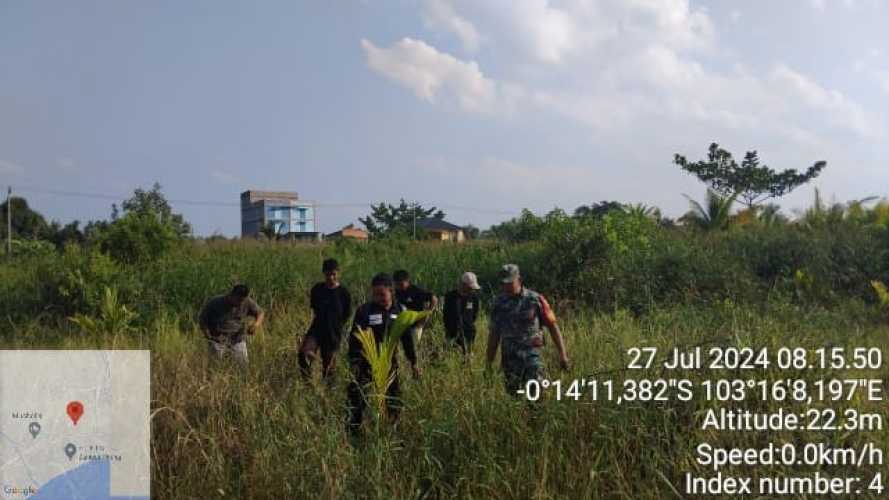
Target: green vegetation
<point>750,182</point>
<point>617,278</point>
<point>387,220</point>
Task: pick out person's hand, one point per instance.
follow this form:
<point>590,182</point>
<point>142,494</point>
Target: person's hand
<point>564,363</point>
<point>537,341</point>
<point>416,371</point>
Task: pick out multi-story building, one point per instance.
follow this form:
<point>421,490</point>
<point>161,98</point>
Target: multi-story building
<point>279,211</point>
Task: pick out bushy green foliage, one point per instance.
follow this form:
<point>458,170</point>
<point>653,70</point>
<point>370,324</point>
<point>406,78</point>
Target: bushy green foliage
<point>112,318</point>
<point>76,281</point>
<point>30,248</point>
<point>154,203</point>
<point>137,238</point>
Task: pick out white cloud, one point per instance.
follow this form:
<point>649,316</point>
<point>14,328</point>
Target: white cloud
<point>622,66</point>
<point>10,168</point>
<point>592,29</point>
<point>440,14</point>
<point>435,76</point>
<point>882,77</point>
<point>818,4</point>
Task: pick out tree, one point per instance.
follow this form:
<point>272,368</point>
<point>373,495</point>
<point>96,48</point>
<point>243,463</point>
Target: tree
<point>525,227</point>
<point>136,238</point>
<point>386,219</point>
<point>153,202</point>
<point>26,223</point>
<point>597,210</point>
<point>63,235</point>
<point>750,182</point>
<point>715,215</point>
<point>471,232</point>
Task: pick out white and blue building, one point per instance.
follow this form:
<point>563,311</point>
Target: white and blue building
<point>281,211</point>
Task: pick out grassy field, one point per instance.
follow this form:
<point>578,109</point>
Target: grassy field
<point>261,433</point>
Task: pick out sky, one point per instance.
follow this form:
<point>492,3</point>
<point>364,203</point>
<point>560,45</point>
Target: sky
<point>480,107</point>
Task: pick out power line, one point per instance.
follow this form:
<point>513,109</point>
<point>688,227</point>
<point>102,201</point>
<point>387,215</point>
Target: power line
<point>214,203</point>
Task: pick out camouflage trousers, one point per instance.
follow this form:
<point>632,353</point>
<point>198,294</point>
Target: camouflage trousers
<point>520,363</point>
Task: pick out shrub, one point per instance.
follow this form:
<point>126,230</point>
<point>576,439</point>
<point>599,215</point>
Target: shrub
<point>137,238</point>
<point>76,282</point>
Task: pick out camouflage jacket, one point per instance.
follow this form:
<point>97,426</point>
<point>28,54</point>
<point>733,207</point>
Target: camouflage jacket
<point>518,318</point>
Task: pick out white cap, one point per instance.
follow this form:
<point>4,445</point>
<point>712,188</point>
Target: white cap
<point>469,279</point>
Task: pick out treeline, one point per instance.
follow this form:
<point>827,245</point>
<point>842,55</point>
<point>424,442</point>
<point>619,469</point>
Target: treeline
<point>141,229</point>
<point>631,257</point>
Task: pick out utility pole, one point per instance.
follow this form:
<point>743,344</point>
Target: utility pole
<point>415,220</point>
<point>9,222</point>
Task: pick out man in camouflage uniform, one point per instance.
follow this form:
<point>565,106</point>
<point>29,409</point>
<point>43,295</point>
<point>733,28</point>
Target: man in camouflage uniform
<point>516,320</point>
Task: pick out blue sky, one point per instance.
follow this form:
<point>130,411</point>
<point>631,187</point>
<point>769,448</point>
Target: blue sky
<point>483,106</point>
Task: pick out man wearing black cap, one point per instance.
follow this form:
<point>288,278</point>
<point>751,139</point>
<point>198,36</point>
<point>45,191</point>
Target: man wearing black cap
<point>331,304</point>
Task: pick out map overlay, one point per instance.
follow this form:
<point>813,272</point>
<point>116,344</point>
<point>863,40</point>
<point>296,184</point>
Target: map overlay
<point>74,424</point>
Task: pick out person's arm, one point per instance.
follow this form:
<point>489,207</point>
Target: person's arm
<point>258,313</point>
<point>358,323</point>
<point>204,321</point>
<point>410,352</point>
<point>548,317</point>
<point>346,304</point>
<point>493,341</point>
<point>448,311</point>
<point>314,300</point>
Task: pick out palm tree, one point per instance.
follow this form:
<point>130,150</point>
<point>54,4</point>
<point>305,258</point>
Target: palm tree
<point>823,214</point>
<point>770,215</point>
<point>715,216</point>
<point>643,211</point>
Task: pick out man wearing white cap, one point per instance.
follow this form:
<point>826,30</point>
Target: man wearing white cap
<point>461,311</point>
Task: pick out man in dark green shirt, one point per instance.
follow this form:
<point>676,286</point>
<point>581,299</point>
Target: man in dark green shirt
<point>223,321</point>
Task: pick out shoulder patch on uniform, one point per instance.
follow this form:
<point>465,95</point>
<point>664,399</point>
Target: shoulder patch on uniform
<point>547,313</point>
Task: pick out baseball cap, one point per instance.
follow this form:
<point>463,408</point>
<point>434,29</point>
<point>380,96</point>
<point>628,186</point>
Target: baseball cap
<point>508,273</point>
<point>470,279</point>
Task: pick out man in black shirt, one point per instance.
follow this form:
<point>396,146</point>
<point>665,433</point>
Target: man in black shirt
<point>331,304</point>
<point>460,312</point>
<point>410,295</point>
<point>379,315</point>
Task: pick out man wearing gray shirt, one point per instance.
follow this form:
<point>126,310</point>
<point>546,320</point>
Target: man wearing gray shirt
<point>223,322</point>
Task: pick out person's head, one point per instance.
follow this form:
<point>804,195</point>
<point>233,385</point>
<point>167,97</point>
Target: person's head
<point>331,270</point>
<point>510,279</point>
<point>402,279</point>
<point>468,283</point>
<point>381,290</point>
<point>238,294</point>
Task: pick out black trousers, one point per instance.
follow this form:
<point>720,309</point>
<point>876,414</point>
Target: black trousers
<point>463,339</point>
<point>357,391</point>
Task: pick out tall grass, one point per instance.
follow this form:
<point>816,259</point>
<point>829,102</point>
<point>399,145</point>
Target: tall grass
<point>261,433</point>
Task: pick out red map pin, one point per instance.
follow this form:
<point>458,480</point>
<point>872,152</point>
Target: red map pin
<point>75,411</point>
